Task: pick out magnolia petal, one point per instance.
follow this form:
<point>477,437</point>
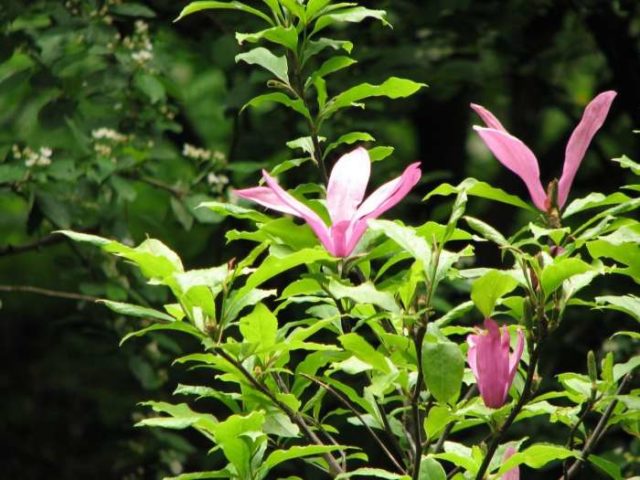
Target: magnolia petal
<point>267,198</point>
<point>492,363</point>
<point>515,357</point>
<point>471,354</point>
<point>389,194</point>
<point>592,119</point>
<point>514,473</point>
<point>309,216</point>
<point>488,118</point>
<point>518,158</point>
<point>339,238</point>
<point>347,184</point>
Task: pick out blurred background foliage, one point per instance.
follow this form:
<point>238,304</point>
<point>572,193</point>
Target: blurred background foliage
<point>118,122</point>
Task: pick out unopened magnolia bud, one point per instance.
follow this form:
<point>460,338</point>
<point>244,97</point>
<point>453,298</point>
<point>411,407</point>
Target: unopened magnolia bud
<point>592,367</point>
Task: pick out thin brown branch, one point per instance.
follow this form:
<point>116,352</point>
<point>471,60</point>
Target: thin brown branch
<point>47,292</point>
<point>597,433</point>
<point>353,410</point>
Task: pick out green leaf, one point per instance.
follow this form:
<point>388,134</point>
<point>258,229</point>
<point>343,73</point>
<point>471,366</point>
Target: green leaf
<point>593,200</point>
<point>235,437</point>
<point>137,311</point>
<point>86,238</point>
<point>559,271</point>
<point>132,10</point>
<point>278,97</point>
<point>629,304</point>
<point>480,189</point>
<point>369,472</point>
<point>224,473</point>
<point>236,211</point>
<point>285,36</point>
<point>11,173</point>
<point>442,368</point>
<point>487,231</point>
<point>606,466</point>
<point>274,265</point>
<point>241,299</point>
<point>362,350</point>
<point>353,15</point>
<point>194,7</point>
<point>280,456</point>
<point>349,139</point>
<point>380,153</point>
<point>391,88</point>
<point>316,46</point>
<point>267,60</point>
<point>536,456</point>
<point>180,416</point>
<point>621,369</point>
<point>489,288</point>
<point>437,418</point>
<point>365,293</point>
<point>332,65</point>
<point>430,469</point>
<point>173,326</point>
<point>260,326</point>
<point>405,237</point>
<point>151,86</point>
<point>626,162</point>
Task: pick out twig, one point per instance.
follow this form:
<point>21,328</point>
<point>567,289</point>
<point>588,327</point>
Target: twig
<point>512,416</point>
<point>415,407</point>
<point>46,241</point>
<point>47,292</point>
<point>597,433</point>
<point>389,432</point>
<point>334,467</point>
<point>353,410</point>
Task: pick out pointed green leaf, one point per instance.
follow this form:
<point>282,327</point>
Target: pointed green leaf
<point>194,7</point>
<point>489,288</point>
<point>267,60</point>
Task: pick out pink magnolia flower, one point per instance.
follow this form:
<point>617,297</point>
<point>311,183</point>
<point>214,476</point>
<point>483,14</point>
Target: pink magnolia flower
<point>514,473</point>
<point>518,158</point>
<point>491,364</point>
<point>345,192</point>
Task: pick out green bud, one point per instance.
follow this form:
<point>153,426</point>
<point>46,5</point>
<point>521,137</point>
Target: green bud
<point>592,367</point>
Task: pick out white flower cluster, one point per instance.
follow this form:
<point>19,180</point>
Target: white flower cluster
<point>140,43</point>
<point>109,133</point>
<point>40,158</point>
<point>218,180</point>
<point>196,153</point>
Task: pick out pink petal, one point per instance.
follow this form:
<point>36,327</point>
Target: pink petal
<point>301,210</point>
<point>471,354</point>
<point>517,157</point>
<point>492,362</point>
<point>488,118</point>
<point>267,198</point>
<point>592,119</point>
<point>514,473</point>
<point>515,357</point>
<point>390,193</point>
<point>347,184</point>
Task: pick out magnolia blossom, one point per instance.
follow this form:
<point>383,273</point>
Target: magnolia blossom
<point>491,364</point>
<point>514,473</point>
<point>518,158</point>
<point>345,194</point>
